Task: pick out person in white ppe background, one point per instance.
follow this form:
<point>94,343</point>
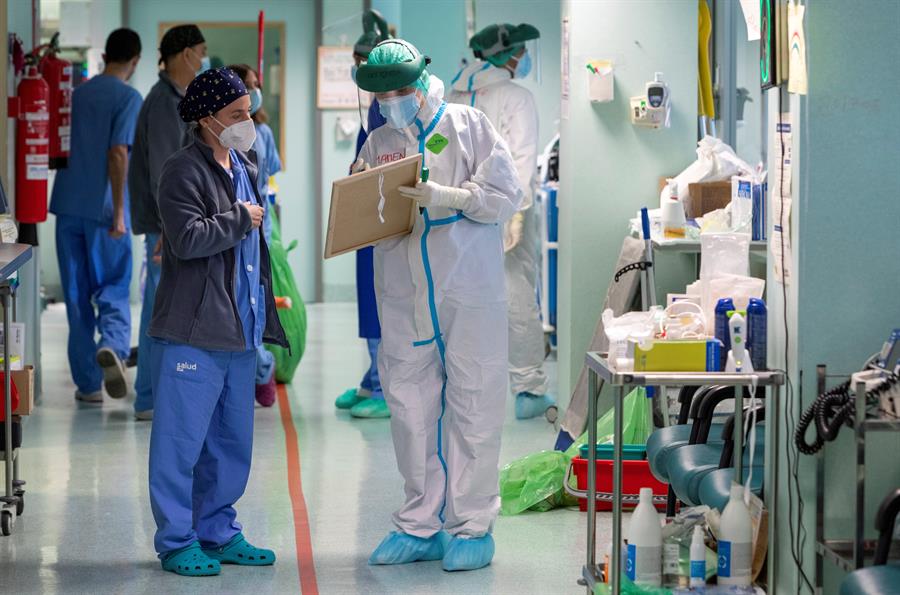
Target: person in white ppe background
<point>488,85</point>
<point>442,305</point>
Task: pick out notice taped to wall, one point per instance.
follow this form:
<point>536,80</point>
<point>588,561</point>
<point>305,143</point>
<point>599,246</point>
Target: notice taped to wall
<point>565,79</point>
<point>780,190</point>
<point>335,87</point>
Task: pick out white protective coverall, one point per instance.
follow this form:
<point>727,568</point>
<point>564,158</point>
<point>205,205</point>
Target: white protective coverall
<point>512,110</point>
<point>442,305</point>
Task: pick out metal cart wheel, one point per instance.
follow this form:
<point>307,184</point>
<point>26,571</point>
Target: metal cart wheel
<point>6,523</point>
<point>552,414</point>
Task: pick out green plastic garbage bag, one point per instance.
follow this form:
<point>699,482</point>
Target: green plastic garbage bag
<point>535,482</point>
<point>294,319</point>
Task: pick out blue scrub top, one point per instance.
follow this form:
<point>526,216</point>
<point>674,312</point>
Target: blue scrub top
<point>104,115</point>
<point>247,289</point>
<point>267,154</point>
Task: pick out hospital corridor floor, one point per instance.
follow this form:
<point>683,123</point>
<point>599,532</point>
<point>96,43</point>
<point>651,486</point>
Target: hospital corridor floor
<point>321,493</point>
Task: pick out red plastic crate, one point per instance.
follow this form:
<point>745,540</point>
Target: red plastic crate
<point>635,475</point>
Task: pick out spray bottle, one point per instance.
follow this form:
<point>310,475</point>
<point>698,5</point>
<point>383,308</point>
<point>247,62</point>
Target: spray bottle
<point>644,562</point>
<point>735,536</point>
<point>698,558</point>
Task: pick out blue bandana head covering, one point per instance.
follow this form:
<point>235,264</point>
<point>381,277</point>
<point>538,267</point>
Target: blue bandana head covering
<point>209,92</point>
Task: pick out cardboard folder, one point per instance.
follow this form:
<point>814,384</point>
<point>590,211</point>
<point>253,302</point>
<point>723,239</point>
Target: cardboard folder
<point>355,219</point>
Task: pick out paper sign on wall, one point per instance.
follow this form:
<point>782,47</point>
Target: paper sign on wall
<point>564,78</point>
<point>335,88</point>
<point>751,10</point>
<point>780,187</point>
<point>797,82</point>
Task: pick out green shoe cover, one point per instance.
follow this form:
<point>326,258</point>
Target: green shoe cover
<point>371,409</point>
<point>191,561</point>
<point>239,551</point>
<point>348,399</point>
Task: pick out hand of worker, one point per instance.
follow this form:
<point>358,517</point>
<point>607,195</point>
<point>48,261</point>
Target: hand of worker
<point>157,251</point>
<point>431,194</point>
<point>359,166</point>
<point>117,229</point>
<point>512,232</point>
<point>256,214</point>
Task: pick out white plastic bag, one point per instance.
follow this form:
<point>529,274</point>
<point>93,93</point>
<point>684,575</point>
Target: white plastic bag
<point>724,254</point>
<point>739,288</point>
<point>716,161</point>
<point>631,325</point>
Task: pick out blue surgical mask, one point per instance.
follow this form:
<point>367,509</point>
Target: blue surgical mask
<point>523,68</point>
<point>400,112</point>
<point>255,101</point>
<point>204,65</point>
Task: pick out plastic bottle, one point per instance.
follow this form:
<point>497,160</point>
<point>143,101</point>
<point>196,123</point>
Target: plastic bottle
<point>735,536</point>
<point>757,319</point>
<point>644,563</point>
<point>723,307</point>
<point>698,558</point>
<point>673,214</point>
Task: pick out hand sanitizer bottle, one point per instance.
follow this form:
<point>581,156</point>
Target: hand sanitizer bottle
<point>735,536</point>
<point>644,563</point>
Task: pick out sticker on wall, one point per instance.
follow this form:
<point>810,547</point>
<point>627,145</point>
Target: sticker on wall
<point>437,143</point>
<point>797,82</point>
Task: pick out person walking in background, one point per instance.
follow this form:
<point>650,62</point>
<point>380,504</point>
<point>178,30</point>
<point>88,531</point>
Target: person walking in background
<point>159,134</point>
<point>90,201</point>
<point>367,400</point>
<point>269,163</point>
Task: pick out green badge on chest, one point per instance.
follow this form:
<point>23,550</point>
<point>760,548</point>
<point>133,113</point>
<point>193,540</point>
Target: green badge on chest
<point>437,143</point>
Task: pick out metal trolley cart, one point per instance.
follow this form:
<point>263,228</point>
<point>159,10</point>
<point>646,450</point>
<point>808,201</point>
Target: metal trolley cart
<point>12,257</point>
<point>598,368</point>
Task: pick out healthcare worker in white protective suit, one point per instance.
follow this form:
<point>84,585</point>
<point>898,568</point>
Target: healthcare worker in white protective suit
<point>487,84</point>
<point>442,305</point>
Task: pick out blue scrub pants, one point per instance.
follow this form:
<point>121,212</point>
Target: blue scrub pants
<point>370,380</point>
<point>95,271</point>
<point>200,444</point>
<point>143,385</point>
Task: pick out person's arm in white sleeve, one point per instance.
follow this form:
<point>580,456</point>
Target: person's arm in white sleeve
<point>494,185</point>
<point>520,129</point>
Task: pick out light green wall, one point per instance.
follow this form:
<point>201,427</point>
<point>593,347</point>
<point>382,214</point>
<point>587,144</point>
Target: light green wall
<point>297,182</point>
<point>845,226</point>
<point>609,168</point>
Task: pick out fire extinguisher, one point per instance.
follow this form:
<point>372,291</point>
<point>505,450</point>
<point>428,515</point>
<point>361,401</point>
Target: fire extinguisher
<point>58,75</point>
<point>32,146</point>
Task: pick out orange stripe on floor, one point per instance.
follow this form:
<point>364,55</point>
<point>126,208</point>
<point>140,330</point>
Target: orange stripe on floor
<point>305,564</point>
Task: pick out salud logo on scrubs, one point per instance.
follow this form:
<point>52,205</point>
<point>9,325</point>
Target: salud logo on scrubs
<point>400,112</point>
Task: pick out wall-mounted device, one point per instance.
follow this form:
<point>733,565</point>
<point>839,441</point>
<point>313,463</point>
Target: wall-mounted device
<point>651,110</point>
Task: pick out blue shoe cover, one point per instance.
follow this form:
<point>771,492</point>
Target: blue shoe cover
<point>400,548</point>
<point>529,405</point>
<point>469,554</point>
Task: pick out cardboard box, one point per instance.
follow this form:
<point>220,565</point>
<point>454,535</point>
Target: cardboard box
<point>706,197</point>
<point>24,380</point>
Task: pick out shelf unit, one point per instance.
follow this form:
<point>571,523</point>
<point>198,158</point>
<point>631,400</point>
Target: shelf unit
<point>852,553</point>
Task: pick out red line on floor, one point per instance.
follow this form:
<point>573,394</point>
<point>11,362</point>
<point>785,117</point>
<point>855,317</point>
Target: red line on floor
<point>305,564</point>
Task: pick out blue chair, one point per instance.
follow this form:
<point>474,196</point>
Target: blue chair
<point>687,465</point>
<point>881,578</point>
<point>714,489</point>
<point>664,440</point>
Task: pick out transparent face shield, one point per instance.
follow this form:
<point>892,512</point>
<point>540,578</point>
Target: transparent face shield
<point>366,98</point>
<point>527,67</point>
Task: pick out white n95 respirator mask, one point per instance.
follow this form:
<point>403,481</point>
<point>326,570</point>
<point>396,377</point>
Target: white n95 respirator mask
<point>240,136</point>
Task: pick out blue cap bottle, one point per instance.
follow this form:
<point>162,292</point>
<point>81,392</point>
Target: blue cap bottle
<point>757,319</point>
<point>723,307</point>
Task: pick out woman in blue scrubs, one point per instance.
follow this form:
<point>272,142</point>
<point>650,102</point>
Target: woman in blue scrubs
<point>209,318</point>
<point>269,163</point>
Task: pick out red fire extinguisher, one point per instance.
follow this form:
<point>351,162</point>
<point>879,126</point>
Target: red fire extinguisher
<point>32,147</point>
<point>58,74</point>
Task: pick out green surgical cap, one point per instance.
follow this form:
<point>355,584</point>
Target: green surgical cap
<point>392,65</point>
<point>498,43</point>
<point>375,30</point>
